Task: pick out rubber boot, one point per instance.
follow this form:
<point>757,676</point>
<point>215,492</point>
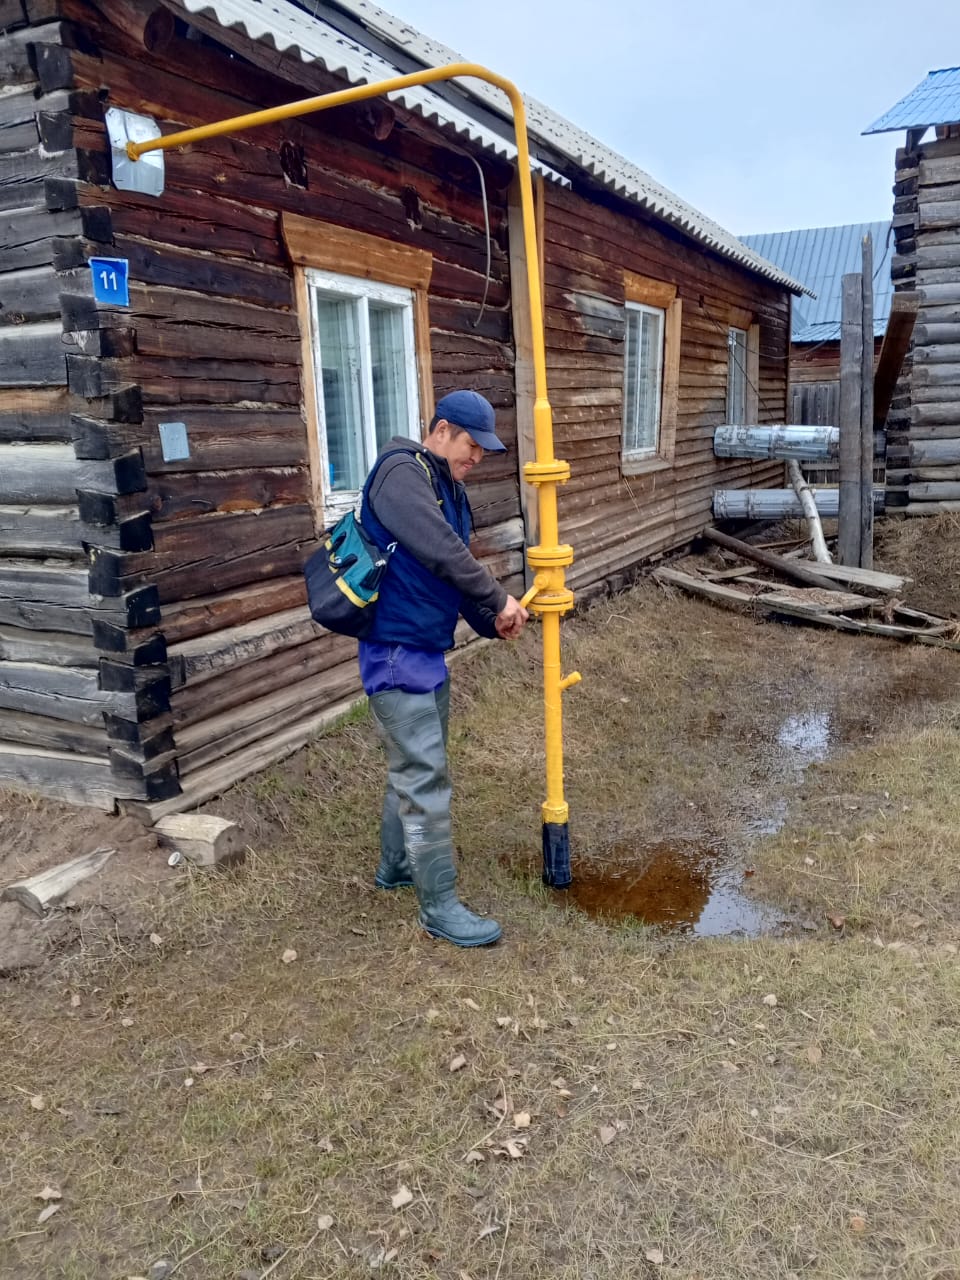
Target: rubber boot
<point>394,869</point>
<point>442,914</point>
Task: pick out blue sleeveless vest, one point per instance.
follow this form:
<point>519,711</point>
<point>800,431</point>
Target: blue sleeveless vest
<point>416,608</point>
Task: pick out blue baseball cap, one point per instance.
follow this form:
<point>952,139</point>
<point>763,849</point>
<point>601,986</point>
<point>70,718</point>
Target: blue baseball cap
<point>473,412</point>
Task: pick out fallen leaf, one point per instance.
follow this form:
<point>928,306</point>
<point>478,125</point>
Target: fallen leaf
<point>732,1067</point>
<point>200,1068</point>
<point>432,1015</point>
<point>126,1022</point>
<point>607,1134</point>
<point>458,1063</point>
<point>808,862</point>
<point>471,1004</point>
<point>402,1197</point>
<point>156,939</point>
<point>37,1102</point>
<point>521,1119</point>
<point>48,1212</point>
<point>490,1229</point>
<point>288,956</point>
<point>770,1000</point>
<point>503,1021</point>
<point>474,1157</point>
<point>75,1001</point>
<point>655,1256</point>
<point>510,1148</point>
<point>814,1054</point>
<point>858,1224</point>
<point>188,1083</point>
<point>559,1082</point>
<point>324,1222</point>
<point>837,921</point>
<point>48,1193</point>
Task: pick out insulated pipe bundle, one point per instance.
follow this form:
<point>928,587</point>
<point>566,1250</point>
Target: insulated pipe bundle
<point>777,504</point>
<point>801,443</point>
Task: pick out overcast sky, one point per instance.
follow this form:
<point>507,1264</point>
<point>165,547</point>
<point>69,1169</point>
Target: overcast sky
<point>750,111</point>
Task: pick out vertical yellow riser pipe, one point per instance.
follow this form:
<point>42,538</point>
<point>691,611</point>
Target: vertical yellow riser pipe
<point>549,597</point>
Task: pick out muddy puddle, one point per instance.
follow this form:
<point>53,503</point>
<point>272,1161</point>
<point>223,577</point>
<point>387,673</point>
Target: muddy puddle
<point>698,887</point>
<point>692,889</point>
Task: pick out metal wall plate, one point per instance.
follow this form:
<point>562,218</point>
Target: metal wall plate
<point>146,174</point>
<point>174,444</point>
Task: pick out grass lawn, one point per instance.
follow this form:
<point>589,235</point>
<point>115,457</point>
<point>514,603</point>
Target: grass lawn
<point>590,1099</point>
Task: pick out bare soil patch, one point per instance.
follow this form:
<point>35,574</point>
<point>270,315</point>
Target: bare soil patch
<point>590,1098</point>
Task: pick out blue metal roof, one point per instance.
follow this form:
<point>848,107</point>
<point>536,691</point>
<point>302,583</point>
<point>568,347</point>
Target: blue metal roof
<point>935,100</point>
<point>819,257</point>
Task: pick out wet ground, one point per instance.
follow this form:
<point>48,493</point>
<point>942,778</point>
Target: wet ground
<point>699,888</point>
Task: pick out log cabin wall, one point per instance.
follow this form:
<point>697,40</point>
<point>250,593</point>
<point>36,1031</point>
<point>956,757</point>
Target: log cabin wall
<point>923,426</point>
<point>54,705</point>
<point>231,673</point>
<point>614,521</point>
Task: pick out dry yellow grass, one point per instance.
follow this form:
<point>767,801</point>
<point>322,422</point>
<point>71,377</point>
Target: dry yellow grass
<point>681,1122</point>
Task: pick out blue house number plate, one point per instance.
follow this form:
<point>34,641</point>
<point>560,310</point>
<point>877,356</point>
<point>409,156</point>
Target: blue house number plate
<point>110,281</point>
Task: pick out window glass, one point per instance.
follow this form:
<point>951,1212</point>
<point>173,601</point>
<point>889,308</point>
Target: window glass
<point>737,376</point>
<point>643,379</point>
<point>366,378</point>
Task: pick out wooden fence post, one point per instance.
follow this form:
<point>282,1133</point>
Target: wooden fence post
<point>851,374</point>
<point>866,411</point>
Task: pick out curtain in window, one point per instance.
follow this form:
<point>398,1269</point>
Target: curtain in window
<point>643,377</point>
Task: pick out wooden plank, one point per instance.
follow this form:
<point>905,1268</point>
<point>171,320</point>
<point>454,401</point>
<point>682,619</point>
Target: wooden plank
<point>779,564</point>
<point>64,776</point>
<point>896,343</point>
<point>207,614</point>
<point>60,693</point>
<point>886,583</point>
<point>55,735</point>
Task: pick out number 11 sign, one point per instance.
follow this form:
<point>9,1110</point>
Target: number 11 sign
<point>110,282</point>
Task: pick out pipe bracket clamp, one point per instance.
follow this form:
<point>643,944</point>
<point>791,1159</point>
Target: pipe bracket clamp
<point>554,472</point>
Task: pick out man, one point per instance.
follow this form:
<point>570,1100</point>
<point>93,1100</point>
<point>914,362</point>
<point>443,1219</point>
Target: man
<point>415,497</point>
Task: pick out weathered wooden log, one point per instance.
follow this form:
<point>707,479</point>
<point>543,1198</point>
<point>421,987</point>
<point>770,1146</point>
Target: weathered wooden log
<point>202,838</point>
<point>930,508</point>
<point>866,405</point>
<point>803,492</point>
<point>51,474</point>
<point>805,443</point>
<point>936,353</point>
<point>776,504</point>
<point>39,893</point>
<point>40,530</point>
<point>935,452</point>
<point>940,213</point>
<point>851,361</point>
<point>769,559</point>
<point>934,490</point>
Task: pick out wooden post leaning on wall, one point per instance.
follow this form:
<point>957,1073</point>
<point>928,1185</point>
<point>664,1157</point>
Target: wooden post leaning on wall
<point>851,373</point>
<point>866,409</point>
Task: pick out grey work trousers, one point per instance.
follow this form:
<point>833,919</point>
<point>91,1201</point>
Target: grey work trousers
<point>414,729</point>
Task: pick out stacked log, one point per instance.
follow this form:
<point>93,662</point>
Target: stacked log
<point>923,425</point>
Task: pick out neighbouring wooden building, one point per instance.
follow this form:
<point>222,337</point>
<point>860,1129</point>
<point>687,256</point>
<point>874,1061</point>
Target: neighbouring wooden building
<point>923,426</point>
<point>297,294</point>
<point>820,257</point>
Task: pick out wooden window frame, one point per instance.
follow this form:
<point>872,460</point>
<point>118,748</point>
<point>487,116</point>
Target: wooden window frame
<point>662,296</point>
<point>341,251</point>
<point>741,318</point>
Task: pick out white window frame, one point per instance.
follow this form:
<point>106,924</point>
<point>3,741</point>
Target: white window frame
<point>738,375</point>
<point>650,451</point>
<point>330,284</point>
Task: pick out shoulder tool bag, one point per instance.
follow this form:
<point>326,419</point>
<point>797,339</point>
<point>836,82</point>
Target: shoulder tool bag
<point>343,578</point>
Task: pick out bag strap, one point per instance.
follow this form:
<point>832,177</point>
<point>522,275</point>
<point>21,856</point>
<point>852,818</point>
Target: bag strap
<point>392,453</point>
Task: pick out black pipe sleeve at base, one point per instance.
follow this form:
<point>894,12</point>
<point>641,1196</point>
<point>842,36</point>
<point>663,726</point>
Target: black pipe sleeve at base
<point>556,855</point>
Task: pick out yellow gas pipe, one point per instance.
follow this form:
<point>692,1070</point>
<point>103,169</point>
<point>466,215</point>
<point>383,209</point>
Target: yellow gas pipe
<point>549,596</point>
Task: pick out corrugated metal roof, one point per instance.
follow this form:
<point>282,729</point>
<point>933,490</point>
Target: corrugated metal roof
<point>289,28</point>
<point>935,100</point>
<point>820,257</point>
